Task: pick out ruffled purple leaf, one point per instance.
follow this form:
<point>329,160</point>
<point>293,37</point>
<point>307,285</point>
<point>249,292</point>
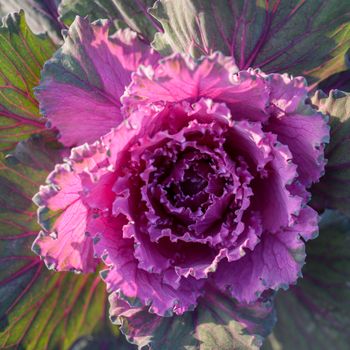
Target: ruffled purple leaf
<point>179,77</point>
<point>82,84</point>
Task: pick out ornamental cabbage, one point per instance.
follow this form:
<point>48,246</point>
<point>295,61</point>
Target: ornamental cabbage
<point>193,175</point>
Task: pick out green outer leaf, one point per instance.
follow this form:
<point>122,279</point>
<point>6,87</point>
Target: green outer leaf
<point>218,322</point>
<point>306,38</point>
<point>22,55</point>
<point>39,309</point>
<point>333,191</point>
<point>42,15</point>
<point>122,12</point>
<point>315,314</point>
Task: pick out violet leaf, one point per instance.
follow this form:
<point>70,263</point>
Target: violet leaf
<point>314,315</point>
<point>22,55</point>
<point>81,85</point>
<point>40,309</point>
<point>306,38</point>
<point>333,190</point>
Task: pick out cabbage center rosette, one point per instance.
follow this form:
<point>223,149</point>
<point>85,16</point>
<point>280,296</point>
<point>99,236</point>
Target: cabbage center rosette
<point>202,184</point>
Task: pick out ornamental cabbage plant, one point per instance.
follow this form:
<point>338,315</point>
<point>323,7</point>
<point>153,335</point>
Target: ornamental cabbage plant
<point>202,182</point>
<point>189,178</point>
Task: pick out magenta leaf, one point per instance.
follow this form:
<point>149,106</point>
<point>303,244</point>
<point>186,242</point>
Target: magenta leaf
<point>218,322</point>
<point>82,84</point>
<point>40,309</point>
<point>22,55</point>
<point>315,313</point>
<point>306,38</point>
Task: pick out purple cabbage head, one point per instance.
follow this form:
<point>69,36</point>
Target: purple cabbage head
<point>202,182</point>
